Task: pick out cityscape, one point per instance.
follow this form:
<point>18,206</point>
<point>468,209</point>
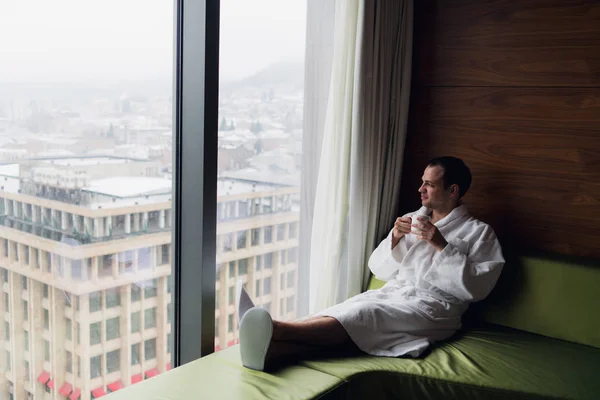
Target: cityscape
<point>86,178</point>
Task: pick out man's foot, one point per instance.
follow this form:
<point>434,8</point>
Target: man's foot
<point>243,300</point>
<point>256,331</point>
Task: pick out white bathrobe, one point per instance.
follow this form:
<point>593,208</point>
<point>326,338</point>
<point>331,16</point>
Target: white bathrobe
<point>427,291</point>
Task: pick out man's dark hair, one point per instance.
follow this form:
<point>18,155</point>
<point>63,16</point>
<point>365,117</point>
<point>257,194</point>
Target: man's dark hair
<point>455,172</point>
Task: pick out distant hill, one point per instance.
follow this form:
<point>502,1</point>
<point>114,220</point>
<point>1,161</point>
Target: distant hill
<point>280,74</point>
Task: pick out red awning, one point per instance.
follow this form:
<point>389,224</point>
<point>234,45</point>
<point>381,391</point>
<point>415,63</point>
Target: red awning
<point>75,395</point>
<point>137,378</point>
<point>65,389</point>
<point>113,387</point>
<point>231,343</point>
<point>50,384</point>
<point>152,373</point>
<point>98,392</point>
<point>168,366</point>
<point>217,348</point>
<point>44,377</point>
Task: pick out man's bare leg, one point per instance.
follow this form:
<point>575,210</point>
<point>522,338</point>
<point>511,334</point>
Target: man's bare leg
<point>318,337</point>
<point>318,331</point>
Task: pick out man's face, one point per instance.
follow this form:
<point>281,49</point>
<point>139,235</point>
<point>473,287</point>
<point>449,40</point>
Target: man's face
<point>433,194</point>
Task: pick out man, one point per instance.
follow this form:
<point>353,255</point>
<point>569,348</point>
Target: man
<point>432,276</point>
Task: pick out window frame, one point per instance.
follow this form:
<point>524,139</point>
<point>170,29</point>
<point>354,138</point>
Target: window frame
<point>195,94</point>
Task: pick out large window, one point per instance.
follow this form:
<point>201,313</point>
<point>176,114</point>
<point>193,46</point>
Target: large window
<point>86,160</point>
<point>260,134</point>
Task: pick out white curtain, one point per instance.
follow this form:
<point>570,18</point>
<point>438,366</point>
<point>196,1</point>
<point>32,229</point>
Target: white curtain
<point>363,144</point>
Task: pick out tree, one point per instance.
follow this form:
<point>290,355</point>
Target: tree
<point>223,126</point>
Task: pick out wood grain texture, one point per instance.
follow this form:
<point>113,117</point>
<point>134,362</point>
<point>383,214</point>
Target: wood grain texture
<point>534,154</point>
<point>507,43</point>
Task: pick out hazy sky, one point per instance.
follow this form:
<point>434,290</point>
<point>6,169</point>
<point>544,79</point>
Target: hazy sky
<point>49,40</point>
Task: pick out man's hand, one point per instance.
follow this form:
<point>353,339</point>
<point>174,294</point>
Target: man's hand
<point>430,233</point>
<point>401,228</point>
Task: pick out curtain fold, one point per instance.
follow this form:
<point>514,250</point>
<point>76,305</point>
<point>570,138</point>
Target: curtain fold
<point>363,145</point>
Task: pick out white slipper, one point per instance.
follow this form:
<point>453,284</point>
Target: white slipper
<point>242,300</point>
<point>256,331</point>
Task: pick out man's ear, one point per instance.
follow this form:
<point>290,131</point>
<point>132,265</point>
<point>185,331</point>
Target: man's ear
<point>454,190</point>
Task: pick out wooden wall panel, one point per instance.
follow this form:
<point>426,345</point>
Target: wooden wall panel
<point>507,43</point>
<point>534,154</point>
<point>513,88</point>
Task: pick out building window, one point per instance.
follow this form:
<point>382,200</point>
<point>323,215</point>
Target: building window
<point>150,318</point>
<point>105,267</point>
<point>26,254</point>
<point>227,242</point>
<point>292,255</point>
<point>291,279</point>
<point>231,296</point>
<point>136,321</point>
<point>268,234</point>
<point>267,286</point>
<point>150,288</point>
<point>46,319</point>
<point>135,354</point>
<point>258,263</point>
<point>95,301</point>
<point>8,361</point>
<point>164,254</point>
<point>25,310</point>
<point>113,298</point>
<point>24,282</point>
<point>113,361</point>
<point>282,257</point>
<point>293,230</point>
<point>170,340</point>
<point>95,333</point>
<point>4,273</point>
<point>232,269</point>
<point>280,232</point>
<point>69,329</point>
<point>268,260</point>
<point>242,238</point>
<point>255,237</point>
<point>95,367</point>
<point>267,306</point>
<point>290,304</point>
<point>69,361</point>
<point>27,378</point>
<point>243,266</point>
<point>45,290</point>
<point>136,293</point>
<point>6,303</point>
<point>6,331</point>
<point>281,281</point>
<point>26,340</point>
<point>113,328</point>
<point>76,269</point>
<point>230,323</point>
<point>46,350</point>
<point>257,288</point>
<point>150,349</point>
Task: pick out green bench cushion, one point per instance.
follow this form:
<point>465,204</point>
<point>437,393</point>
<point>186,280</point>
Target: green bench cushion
<point>221,376</point>
<point>492,363</point>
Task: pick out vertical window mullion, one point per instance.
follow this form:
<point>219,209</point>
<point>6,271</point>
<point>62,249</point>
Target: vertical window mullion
<point>195,184</point>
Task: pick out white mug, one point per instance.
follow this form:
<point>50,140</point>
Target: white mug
<point>415,220</point>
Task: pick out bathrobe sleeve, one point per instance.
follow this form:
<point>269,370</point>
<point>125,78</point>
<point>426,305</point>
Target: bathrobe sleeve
<point>468,270</point>
<point>385,262</point>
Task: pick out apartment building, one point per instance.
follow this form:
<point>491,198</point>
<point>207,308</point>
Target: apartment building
<point>85,271</point>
